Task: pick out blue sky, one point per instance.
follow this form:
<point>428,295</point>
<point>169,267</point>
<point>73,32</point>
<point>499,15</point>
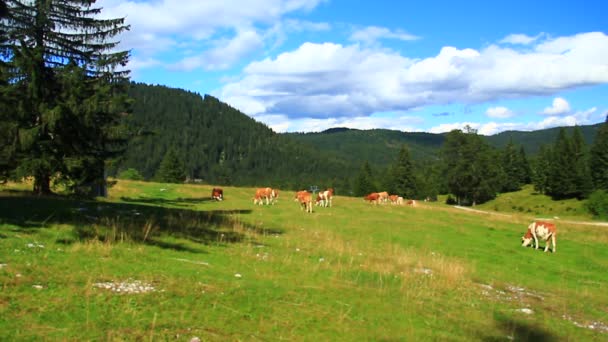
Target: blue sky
<point>309,65</point>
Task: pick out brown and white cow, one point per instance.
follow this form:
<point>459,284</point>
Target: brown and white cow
<point>372,198</point>
<point>393,199</point>
<point>542,230</point>
<point>217,194</point>
<point>383,197</point>
<point>305,199</point>
<point>411,202</point>
<point>326,197</point>
<point>267,194</point>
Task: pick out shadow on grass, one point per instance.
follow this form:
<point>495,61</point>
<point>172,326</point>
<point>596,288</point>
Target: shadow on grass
<point>519,331</point>
<point>179,202</point>
<point>137,222</point>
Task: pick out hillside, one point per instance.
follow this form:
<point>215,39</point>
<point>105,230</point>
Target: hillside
<point>219,144</point>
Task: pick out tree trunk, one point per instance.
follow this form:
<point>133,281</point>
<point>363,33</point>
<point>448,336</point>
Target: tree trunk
<point>42,185</point>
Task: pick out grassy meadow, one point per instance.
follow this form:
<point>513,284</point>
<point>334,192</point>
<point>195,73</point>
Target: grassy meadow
<point>164,262</point>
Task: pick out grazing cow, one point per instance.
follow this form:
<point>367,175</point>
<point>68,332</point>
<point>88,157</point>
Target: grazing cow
<point>319,200</point>
<point>326,197</point>
<point>393,199</point>
<point>383,197</point>
<point>267,194</point>
<point>305,199</point>
<point>217,194</point>
<point>542,230</point>
<point>411,202</point>
<point>400,200</point>
<point>372,198</point>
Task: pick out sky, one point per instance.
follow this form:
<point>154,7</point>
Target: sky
<point>430,66</point>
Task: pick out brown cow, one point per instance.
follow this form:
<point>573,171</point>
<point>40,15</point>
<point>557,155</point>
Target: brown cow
<point>267,194</point>
<point>305,199</point>
<point>393,199</point>
<point>542,230</point>
<point>373,197</point>
<point>411,202</point>
<point>383,197</point>
<point>217,194</point>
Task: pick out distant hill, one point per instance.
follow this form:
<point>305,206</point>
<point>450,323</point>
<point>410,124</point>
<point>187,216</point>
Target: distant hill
<point>220,145</point>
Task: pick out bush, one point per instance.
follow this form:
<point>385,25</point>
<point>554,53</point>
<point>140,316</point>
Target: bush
<point>597,204</point>
<point>130,174</point>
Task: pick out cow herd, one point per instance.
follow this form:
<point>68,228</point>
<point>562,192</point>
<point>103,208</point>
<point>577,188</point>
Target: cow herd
<point>546,231</point>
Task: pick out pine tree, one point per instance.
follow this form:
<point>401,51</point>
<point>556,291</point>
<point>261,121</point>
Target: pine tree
<point>68,88</point>
<point>402,174</point>
<point>525,175</point>
<point>364,183</point>
<point>542,168</point>
<point>511,167</point>
<point>598,162</point>
<point>562,172</point>
<point>171,169</point>
<point>583,183</point>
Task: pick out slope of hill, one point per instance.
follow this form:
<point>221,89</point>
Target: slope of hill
<point>219,144</point>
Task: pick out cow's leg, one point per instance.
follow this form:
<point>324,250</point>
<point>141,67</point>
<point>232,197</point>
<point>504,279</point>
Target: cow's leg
<point>535,238</point>
<point>553,240</point>
<point>547,243</point>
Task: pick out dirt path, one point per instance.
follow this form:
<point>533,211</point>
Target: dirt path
<point>598,224</point>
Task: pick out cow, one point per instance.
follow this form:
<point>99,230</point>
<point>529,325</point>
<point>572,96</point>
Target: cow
<point>383,197</point>
<point>326,197</point>
<point>393,199</point>
<point>318,200</point>
<point>399,200</point>
<point>411,202</point>
<point>267,194</point>
<point>542,230</point>
<point>217,194</point>
<point>305,199</point>
<point>372,198</point>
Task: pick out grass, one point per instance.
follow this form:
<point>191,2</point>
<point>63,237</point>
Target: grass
<point>234,271</point>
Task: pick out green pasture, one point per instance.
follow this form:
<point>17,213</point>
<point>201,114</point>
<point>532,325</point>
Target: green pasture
<point>225,271</point>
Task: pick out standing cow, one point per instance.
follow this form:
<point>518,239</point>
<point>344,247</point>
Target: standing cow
<point>217,194</point>
<point>542,230</point>
<point>325,197</point>
<point>305,199</point>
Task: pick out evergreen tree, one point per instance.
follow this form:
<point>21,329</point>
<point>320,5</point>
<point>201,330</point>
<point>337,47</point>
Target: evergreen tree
<point>403,176</point>
<point>469,167</point>
<point>561,180</point>
<point>68,89</point>
<point>524,166</point>
<point>171,169</point>
<point>583,183</point>
<point>541,169</point>
<point>512,168</point>
<point>364,183</point>
<point>598,162</point>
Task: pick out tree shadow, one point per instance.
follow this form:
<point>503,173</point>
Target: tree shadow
<point>178,202</point>
<point>139,222</point>
<point>515,330</point>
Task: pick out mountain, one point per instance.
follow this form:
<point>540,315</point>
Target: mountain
<point>220,145</point>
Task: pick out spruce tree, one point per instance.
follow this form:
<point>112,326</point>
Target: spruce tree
<point>561,180</point>
<point>364,183</point>
<point>511,167</point>
<point>525,175</point>
<point>68,87</point>
<point>171,169</point>
<point>598,161</point>
<point>402,174</point>
<point>583,183</point>
<point>541,169</point>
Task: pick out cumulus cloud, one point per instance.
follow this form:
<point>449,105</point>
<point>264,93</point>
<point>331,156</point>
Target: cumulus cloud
<point>499,112</point>
<point>164,25</point>
<point>560,106</point>
<point>520,39</point>
<point>395,121</point>
<point>371,34</point>
<point>328,80</point>
<point>585,117</point>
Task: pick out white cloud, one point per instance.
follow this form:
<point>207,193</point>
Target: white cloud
<point>520,39</point>
<point>224,53</point>
<point>499,112</point>
<point>371,34</point>
<point>329,80</point>
<point>395,121</point>
<point>560,106</point>
<point>579,118</point>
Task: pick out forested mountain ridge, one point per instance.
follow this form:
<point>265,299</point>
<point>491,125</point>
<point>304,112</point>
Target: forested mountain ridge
<point>221,145</point>
<point>380,146</point>
<point>218,144</point>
